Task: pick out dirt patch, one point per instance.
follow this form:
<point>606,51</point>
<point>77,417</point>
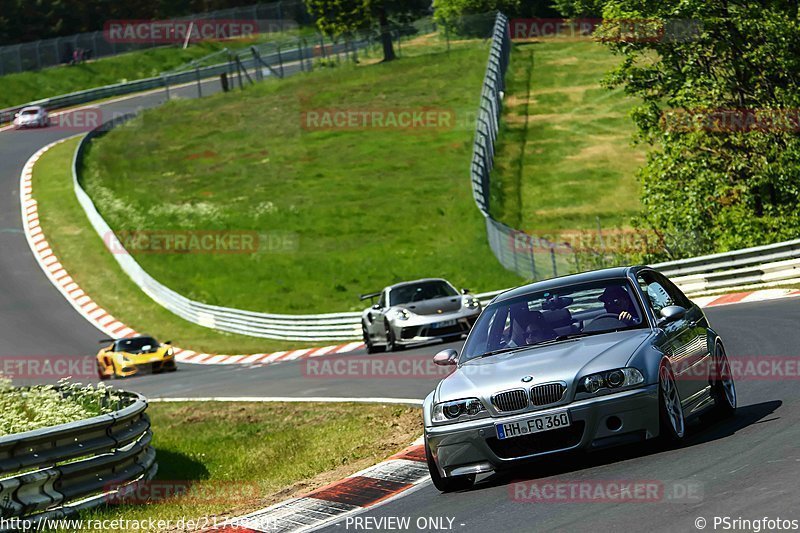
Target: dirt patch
<point>207,154</point>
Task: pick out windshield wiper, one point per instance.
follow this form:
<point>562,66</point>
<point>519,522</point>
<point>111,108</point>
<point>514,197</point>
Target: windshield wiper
<point>502,350</point>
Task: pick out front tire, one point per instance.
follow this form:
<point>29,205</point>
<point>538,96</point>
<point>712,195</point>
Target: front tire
<point>672,425</point>
<point>371,348</point>
<point>446,484</point>
<point>391,341</point>
<point>723,388</point>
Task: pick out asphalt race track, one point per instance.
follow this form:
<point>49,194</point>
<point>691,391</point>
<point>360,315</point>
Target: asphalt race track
<point>747,467</point>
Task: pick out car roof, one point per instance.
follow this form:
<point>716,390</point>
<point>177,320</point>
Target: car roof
<point>32,108</point>
<point>570,279</point>
<point>406,283</point>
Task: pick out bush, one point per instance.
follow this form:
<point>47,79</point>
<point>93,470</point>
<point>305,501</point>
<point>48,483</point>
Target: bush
<point>29,408</point>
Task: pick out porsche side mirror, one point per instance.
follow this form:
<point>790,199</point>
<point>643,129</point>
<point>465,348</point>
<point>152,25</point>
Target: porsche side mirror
<point>671,313</point>
<point>464,291</point>
<point>446,357</point>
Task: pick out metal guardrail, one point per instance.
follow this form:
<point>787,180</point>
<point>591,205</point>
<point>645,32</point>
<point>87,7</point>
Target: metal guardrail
<point>311,328</point>
<point>53,472</point>
<point>299,55</point>
<point>768,265</point>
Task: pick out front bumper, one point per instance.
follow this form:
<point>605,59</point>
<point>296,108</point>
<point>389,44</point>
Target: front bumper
<point>422,329</point>
<point>472,447</point>
<point>128,369</point>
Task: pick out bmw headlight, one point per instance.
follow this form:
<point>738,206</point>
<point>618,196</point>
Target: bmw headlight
<point>471,303</point>
<point>468,408</point>
<point>613,379</point>
<point>403,314</point>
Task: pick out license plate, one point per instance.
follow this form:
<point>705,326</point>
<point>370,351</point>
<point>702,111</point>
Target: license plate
<point>535,424</point>
<point>445,324</point>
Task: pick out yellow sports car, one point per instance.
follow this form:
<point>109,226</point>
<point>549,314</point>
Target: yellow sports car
<point>133,355</point>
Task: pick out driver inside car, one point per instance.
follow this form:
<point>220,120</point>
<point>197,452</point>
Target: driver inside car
<point>531,325</point>
<point>617,302</point>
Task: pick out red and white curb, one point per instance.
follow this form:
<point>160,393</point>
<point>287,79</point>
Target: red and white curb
<point>105,321</point>
<point>745,297</point>
<point>373,486</point>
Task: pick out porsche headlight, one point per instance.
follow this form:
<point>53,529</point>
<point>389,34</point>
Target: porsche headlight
<point>613,379</point>
<point>466,409</point>
<point>403,314</point>
<point>471,303</point>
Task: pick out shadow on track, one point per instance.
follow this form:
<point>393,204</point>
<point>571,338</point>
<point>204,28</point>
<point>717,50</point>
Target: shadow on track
<point>577,461</point>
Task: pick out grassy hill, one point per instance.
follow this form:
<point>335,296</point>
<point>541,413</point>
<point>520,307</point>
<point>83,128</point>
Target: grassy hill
<point>357,208</point>
<point>565,157</point>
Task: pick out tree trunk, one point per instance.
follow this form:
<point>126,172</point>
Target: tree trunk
<point>386,36</point>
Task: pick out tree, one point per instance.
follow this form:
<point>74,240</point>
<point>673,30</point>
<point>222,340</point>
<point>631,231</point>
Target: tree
<point>472,18</point>
<point>345,18</point>
<point>720,92</point>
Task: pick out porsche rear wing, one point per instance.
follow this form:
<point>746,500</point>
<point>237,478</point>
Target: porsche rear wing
<point>370,296</point>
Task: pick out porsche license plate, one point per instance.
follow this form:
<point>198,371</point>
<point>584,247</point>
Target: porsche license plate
<point>444,324</point>
<point>534,424</point>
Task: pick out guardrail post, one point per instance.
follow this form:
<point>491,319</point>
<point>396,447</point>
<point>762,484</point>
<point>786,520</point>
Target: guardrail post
<point>166,86</point>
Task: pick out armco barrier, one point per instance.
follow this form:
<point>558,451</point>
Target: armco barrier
<point>52,472</point>
<point>298,56</point>
<point>322,327</point>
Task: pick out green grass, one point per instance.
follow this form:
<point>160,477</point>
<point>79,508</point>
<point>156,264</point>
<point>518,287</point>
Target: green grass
<point>24,87</point>
<point>362,209</point>
<point>565,156</point>
<point>239,457</point>
<point>88,261</point>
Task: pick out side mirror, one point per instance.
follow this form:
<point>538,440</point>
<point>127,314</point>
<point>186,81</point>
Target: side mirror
<point>464,291</point>
<point>376,307</point>
<point>446,357</point>
<point>168,342</point>
<point>671,313</point>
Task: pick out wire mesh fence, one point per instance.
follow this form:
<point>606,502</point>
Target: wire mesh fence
<point>529,256</point>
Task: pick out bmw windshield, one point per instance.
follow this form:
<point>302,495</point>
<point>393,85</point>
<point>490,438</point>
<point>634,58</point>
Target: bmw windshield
<point>550,316</point>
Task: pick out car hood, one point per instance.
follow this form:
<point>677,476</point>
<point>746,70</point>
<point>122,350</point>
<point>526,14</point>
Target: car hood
<point>564,361</point>
<point>435,306</point>
<point>142,358</point>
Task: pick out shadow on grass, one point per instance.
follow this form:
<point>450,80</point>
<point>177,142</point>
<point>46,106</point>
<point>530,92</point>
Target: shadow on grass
<point>174,466</point>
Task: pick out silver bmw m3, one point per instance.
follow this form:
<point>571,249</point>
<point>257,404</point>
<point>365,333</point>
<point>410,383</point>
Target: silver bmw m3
<point>585,361</point>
